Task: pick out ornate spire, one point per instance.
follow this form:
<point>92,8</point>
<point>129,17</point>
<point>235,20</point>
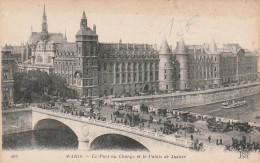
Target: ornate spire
<point>44,25</point>
<point>44,17</point>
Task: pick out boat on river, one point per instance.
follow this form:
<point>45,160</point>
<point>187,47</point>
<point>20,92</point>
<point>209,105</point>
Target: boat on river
<point>233,104</point>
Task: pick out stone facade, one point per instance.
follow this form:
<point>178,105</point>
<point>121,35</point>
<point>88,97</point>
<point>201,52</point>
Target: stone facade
<point>97,69</point>
<point>8,68</point>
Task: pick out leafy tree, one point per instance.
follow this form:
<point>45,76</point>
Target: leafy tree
<point>40,84</point>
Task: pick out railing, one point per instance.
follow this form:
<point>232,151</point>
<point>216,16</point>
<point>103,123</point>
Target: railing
<point>125,128</point>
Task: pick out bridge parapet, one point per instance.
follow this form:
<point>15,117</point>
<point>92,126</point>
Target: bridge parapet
<point>121,127</point>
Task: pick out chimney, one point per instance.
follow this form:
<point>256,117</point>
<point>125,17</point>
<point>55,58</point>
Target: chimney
<point>155,46</point>
<point>94,28</point>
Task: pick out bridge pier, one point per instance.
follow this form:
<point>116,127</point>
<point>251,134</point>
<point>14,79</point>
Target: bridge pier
<point>83,144</point>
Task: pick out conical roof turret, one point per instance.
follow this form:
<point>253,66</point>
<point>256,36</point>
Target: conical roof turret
<point>181,49</point>
<point>165,49</point>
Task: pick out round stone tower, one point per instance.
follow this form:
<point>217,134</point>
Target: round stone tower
<point>165,68</point>
<point>183,58</point>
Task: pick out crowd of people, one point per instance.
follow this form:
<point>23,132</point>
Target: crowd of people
<point>243,145</point>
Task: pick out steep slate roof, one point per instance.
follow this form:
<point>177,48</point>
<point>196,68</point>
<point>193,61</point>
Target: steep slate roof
<point>181,49</point>
<point>14,49</point>
<point>165,49</point>
<point>34,38</point>
<point>55,37</point>
<point>113,48</point>
<point>66,47</point>
<point>87,31</point>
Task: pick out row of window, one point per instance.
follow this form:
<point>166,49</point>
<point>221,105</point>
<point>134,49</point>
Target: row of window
<point>203,59</point>
<point>203,74</point>
<point>64,66</point>
<point>130,66</point>
<point>132,78</point>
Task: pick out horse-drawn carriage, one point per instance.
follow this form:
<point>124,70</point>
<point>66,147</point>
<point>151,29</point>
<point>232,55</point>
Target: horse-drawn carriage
<point>218,126</point>
<point>169,128</point>
<point>188,117</point>
<point>242,126</point>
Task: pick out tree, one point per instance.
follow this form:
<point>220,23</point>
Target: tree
<point>40,84</point>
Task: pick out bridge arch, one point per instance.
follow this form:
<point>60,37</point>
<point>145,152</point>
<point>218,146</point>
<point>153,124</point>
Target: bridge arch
<point>113,141</point>
<point>52,123</point>
<point>55,132</point>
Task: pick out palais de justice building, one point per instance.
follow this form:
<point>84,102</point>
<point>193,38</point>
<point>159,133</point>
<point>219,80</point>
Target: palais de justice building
<point>96,69</point>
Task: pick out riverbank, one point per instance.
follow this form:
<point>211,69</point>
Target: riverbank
<point>192,99</point>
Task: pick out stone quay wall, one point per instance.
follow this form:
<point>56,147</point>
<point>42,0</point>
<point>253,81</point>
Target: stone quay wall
<point>17,120</point>
<point>192,99</point>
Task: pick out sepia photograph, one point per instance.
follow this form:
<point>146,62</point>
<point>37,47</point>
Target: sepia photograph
<point>130,81</point>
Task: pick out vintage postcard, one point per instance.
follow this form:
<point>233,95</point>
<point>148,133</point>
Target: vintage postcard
<point>130,81</point>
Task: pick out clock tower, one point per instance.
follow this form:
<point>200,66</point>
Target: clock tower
<point>83,22</point>
<point>87,64</point>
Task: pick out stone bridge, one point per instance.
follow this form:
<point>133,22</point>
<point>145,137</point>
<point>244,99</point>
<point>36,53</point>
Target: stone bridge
<point>88,130</point>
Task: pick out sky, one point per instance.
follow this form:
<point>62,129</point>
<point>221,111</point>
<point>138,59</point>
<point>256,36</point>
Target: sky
<point>137,21</point>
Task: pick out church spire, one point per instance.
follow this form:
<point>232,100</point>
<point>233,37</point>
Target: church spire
<point>44,25</point>
<point>44,17</point>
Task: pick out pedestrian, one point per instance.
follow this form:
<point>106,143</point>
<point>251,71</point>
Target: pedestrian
<point>217,141</point>
<point>111,116</point>
<point>209,138</point>
<point>220,141</point>
<point>148,125</point>
<point>191,137</point>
